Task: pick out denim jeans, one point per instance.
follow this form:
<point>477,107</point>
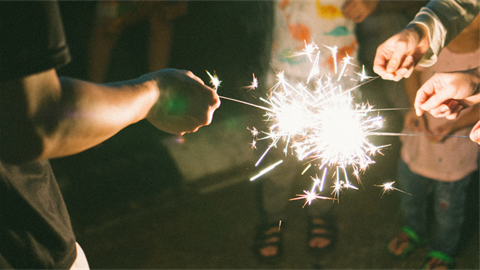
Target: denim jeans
<point>448,205</point>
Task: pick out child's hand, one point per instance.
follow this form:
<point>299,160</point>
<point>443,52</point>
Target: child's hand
<point>358,10</point>
<point>475,133</point>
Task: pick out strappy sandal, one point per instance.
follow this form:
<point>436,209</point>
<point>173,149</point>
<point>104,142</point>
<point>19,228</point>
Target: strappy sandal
<point>268,235</point>
<point>328,231</point>
<point>438,260</point>
<point>409,236</point>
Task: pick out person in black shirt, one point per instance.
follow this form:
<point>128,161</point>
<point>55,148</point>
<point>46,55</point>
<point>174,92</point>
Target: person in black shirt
<point>45,116</point>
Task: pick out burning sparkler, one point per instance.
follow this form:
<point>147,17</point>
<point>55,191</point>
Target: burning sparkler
<point>214,80</point>
<point>320,124</point>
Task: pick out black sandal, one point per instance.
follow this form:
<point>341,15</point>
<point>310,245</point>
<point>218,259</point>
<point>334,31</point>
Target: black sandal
<point>263,240</point>
<point>329,233</point>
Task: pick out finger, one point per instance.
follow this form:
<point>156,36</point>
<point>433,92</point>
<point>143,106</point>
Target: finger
<point>455,111</point>
<point>388,76</point>
<point>423,94</point>
<point>193,76</point>
<point>441,111</point>
<point>397,57</point>
<point>407,67</point>
<point>400,74</point>
<point>419,111</point>
<point>475,133</point>
<point>435,98</point>
<point>435,101</point>
<point>381,59</point>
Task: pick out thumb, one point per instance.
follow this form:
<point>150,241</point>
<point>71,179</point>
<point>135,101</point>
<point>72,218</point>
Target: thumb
<point>475,133</point>
<point>434,101</point>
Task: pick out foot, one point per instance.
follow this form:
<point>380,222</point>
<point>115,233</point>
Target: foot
<point>270,238</point>
<point>435,263</point>
<point>439,260</point>
<point>268,243</point>
<point>399,244</point>
<point>317,241</point>
<point>322,234</point>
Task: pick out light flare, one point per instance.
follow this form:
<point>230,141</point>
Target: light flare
<point>214,80</point>
<point>389,186</point>
<point>320,123</point>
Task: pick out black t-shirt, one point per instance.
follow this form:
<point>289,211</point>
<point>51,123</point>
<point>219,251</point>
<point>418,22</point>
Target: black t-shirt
<point>35,229</point>
<point>31,38</point>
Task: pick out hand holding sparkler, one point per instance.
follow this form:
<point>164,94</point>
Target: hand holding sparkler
<point>397,57</point>
<point>184,102</point>
<point>446,94</point>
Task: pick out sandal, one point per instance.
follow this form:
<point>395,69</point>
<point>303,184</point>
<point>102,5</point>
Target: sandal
<point>322,228</point>
<point>268,235</point>
<point>406,236</point>
<point>438,260</point>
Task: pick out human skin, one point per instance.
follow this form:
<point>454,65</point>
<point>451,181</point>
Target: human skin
<point>44,116</point>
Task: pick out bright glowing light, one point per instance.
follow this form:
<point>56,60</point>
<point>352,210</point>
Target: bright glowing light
<point>389,186</point>
<point>266,170</point>
<point>309,197</point>
<point>319,122</point>
<point>322,125</point>
<point>214,80</point>
<point>254,84</point>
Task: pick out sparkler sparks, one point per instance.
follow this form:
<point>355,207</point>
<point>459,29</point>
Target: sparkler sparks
<point>319,123</point>
<point>323,125</point>
<point>309,197</point>
<point>389,186</point>
<point>254,84</point>
<point>214,80</point>
<point>266,170</point>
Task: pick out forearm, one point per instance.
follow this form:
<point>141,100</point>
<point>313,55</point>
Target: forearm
<point>91,113</point>
<point>44,117</point>
<point>444,20</point>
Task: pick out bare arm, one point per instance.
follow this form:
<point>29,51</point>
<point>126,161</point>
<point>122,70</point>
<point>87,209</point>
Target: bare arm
<point>397,57</point>
<point>43,116</point>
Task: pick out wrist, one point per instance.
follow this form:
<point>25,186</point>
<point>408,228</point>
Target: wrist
<point>421,32</point>
<point>475,81</point>
<point>149,94</point>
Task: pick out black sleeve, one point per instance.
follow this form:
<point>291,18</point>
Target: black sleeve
<point>31,38</point>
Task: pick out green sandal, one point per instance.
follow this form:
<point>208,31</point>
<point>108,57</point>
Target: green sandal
<point>438,260</point>
<point>406,235</point>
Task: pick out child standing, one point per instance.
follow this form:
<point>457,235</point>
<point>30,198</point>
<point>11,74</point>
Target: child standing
<point>297,24</point>
<point>434,161</point>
